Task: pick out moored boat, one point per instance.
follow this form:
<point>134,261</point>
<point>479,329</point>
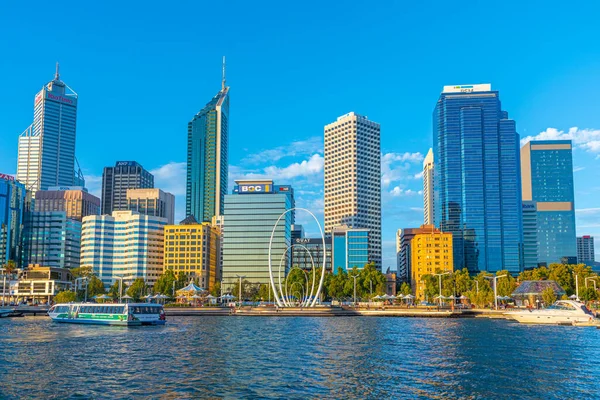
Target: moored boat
<point>562,312</point>
<point>134,314</point>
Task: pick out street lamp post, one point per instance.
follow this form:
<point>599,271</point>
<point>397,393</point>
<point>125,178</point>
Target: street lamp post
<point>576,285</point>
<point>120,278</point>
<point>354,276</point>
<point>592,278</point>
<point>240,293</point>
<point>477,283</point>
<point>495,279</point>
<point>440,281</point>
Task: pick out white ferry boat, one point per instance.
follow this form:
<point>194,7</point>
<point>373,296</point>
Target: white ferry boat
<point>561,312</point>
<point>131,314</point>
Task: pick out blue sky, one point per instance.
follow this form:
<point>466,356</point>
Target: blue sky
<point>142,70</point>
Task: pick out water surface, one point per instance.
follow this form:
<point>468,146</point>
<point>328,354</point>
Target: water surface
<point>270,357</point>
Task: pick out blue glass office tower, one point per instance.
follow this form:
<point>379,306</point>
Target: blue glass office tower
<point>547,179</point>
<point>12,204</point>
<point>251,212</point>
<point>350,248</point>
<point>207,166</point>
<point>477,184</point>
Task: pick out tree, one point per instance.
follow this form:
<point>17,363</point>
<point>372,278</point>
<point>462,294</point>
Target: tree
<point>10,267</point>
<point>65,297</point>
<point>405,289</point>
<point>82,272</point>
<point>463,281</point>
<point>136,290</point>
<point>182,281</point>
<point>216,290</point>
<point>588,294</point>
<point>548,296</point>
<point>95,287</point>
<point>336,283</point>
<point>164,283</point>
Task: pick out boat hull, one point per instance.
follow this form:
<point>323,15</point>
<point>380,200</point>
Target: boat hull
<point>541,319</point>
<point>83,321</point>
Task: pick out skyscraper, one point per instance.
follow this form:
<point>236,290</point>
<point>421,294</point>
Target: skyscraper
<point>349,248</point>
<point>428,189</point>
<point>530,235</point>
<point>547,179</point>
<point>251,212</point>
<point>207,168</point>
<point>12,205</point>
<point>353,178</point>
<point>47,147</point>
<point>585,250</point>
<point>477,186</point>
<point>118,179</point>
<point>74,200</point>
<point>152,202</point>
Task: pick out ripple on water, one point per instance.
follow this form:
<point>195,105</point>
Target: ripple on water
<point>224,357</point>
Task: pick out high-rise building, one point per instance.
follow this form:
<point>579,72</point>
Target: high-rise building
<point>47,147</point>
<point>547,179</point>
<point>125,244</point>
<point>403,237</point>
<point>251,212</point>
<point>12,205</point>
<point>118,179</point>
<point>349,248</point>
<point>297,232</point>
<point>530,235</point>
<point>75,201</point>
<point>430,253</point>
<point>153,202</point>
<point>428,189</point>
<point>398,248</point>
<point>585,250</point>
<point>477,182</point>
<point>353,178</point>
<point>310,250</point>
<point>207,153</point>
<point>50,239</point>
<point>193,248</point>
<point>219,222</point>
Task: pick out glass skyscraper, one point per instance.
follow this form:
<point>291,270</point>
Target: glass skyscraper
<point>547,178</point>
<point>47,147</point>
<point>477,184</point>
<point>207,166</point>
<point>12,204</point>
<point>251,212</point>
<point>349,248</point>
<point>117,180</point>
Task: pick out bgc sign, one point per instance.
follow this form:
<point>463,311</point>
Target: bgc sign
<point>251,189</point>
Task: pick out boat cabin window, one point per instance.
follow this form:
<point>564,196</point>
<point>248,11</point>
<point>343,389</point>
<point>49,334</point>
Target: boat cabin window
<point>145,310</point>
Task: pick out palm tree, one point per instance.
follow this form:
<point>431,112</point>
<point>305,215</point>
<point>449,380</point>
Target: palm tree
<point>9,267</point>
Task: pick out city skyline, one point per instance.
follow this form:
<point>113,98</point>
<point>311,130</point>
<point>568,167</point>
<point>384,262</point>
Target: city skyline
<point>294,154</point>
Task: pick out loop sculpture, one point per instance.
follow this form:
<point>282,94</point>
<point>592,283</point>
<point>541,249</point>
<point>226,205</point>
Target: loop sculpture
<point>280,298</point>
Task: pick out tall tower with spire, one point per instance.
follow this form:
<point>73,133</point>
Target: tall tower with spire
<point>428,203</point>
<point>207,157</point>
<point>47,147</point>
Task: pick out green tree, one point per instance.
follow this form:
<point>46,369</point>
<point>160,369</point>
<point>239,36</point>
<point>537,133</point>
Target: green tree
<point>562,274</point>
<point>95,287</point>
<point>588,294</point>
<point>463,281</point>
<point>182,281</point>
<point>336,284</point>
<point>82,272</point>
<point>548,296</point>
<point>137,288</point>
<point>405,289</point>
<point>369,278</point>
<point>164,283</point>
<point>64,297</point>
<point>10,267</point>
<point>216,290</point>
<point>265,292</point>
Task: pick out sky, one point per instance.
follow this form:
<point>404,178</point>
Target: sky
<point>143,69</point>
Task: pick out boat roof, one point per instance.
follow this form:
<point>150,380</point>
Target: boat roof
<point>109,304</point>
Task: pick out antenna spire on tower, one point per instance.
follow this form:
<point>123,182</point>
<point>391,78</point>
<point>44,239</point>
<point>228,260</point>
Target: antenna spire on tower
<point>56,75</point>
<point>223,82</point>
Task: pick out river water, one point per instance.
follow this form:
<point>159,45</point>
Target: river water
<point>270,357</point>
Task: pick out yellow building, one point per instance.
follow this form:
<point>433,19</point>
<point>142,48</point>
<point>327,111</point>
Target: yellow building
<point>430,251</point>
<point>194,249</point>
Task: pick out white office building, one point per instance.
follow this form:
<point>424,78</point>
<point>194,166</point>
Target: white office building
<point>125,244</point>
<point>428,203</point>
<point>353,178</point>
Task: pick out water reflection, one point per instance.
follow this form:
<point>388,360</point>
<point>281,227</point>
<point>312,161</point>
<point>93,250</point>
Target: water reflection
<point>298,358</point>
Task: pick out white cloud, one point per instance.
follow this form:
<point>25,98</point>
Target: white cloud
<point>410,157</point>
<point>398,192</point>
<point>298,148</point>
<point>577,169</point>
<point>587,139</point>
<point>587,211</point>
<point>171,177</point>
<point>396,167</point>
<point>307,168</point>
<point>418,176</point>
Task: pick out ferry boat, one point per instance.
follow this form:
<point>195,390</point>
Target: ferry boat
<point>562,312</point>
<point>132,314</point>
